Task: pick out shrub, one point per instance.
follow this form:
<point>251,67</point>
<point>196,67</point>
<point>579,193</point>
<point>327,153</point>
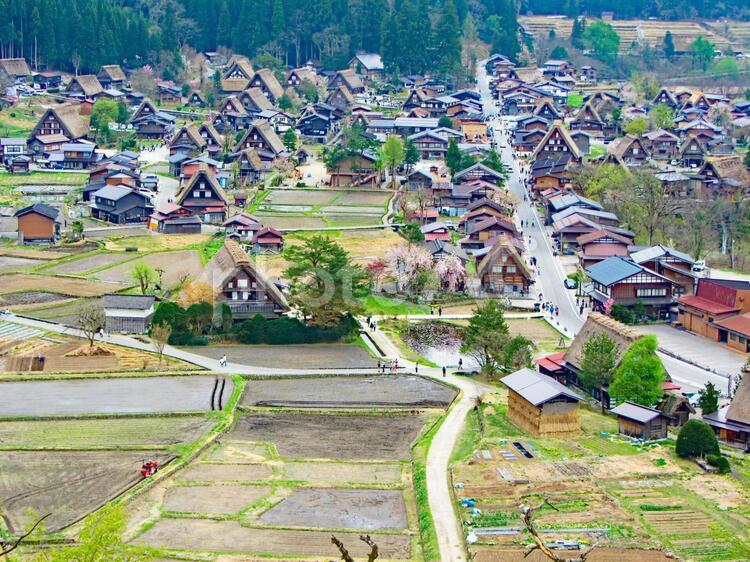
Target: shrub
<point>696,439</point>
<point>720,462</point>
<point>285,331</point>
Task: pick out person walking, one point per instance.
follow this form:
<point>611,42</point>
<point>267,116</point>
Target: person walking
<point>444,371</point>
<point>440,311</point>
<point>416,367</point>
<point>460,364</point>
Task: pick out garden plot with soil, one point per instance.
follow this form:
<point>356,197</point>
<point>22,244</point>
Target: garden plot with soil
<point>231,536</point>
<point>404,391</point>
<point>88,263</point>
<point>604,488</point>
<point>367,510</point>
<point>326,436</point>
<point>68,485</point>
<point>317,356</point>
<point>9,263</point>
<point>114,395</point>
<point>29,297</point>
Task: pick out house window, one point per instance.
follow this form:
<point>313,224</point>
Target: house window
<point>510,268</point>
<point>242,283</point>
<point>733,337</point>
<point>742,339</point>
<point>497,269</point>
<point>656,292</point>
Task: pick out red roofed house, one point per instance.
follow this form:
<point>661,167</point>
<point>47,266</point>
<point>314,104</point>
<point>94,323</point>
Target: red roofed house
<point>436,231</point>
<point>714,303</point>
<point>600,245</point>
<point>479,234</point>
<point>427,216</point>
<point>268,240</point>
<point>553,366</point>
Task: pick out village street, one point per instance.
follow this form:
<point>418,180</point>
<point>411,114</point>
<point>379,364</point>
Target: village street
<point>692,375</point>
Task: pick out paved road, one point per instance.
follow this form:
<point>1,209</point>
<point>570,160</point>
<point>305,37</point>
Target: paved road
<point>549,283</point>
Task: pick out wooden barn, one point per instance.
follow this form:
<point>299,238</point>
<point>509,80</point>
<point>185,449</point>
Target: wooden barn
<point>639,421</point>
<point>541,405</point>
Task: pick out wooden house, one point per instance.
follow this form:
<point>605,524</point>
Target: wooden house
<point>715,301</point>
<point>237,282</point>
<point>314,126</point>
<point>203,196</point>
<point>356,171</point>
<point>676,407</point>
<point>263,139</point>
<point>196,99</point>
<point>628,151</point>
<point>150,123</point>
<point>250,168</point>
<point>677,266</point>
<point>120,204</point>
<point>502,270</point>
<point>187,140</point>
<point>557,142</point>
<point>242,226</point>
<point>268,240</point>
<point>724,177</point>
<point>540,405</point>
<point>297,76</point>
<point>567,231</point>
<point>174,219</point>
<point>111,76</point>
<point>641,422</point>
<point>38,224</point>
<point>16,69</point>
<point>617,280</point>
<point>267,82</point>
<point>254,101</point>
<point>369,65</point>
<point>58,125</point>
<point>478,235</point>
<point>348,78</point>
<point>731,423</point>
<point>84,86</point>
<point>691,153</point>
<point>435,231</point>
<point>481,210</point>
<point>341,99</point>
<point>665,97</point>
<point>600,245</point>
<point>214,141</point>
<point>239,67</point>
<point>661,144</point>
<point>431,145</point>
<point>128,314</point>
<point>478,171</point>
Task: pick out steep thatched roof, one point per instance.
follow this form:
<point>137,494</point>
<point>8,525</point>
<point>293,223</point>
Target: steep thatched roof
<point>113,72</point>
<point>74,127</point>
<point>269,80</point>
<point>263,128</point>
<point>503,246</point>
<point>192,132</point>
<point>257,98</point>
<point>15,67</point>
<point>597,323</point>
<point>228,261</point>
<point>730,168</point>
<point>89,84</point>
<point>558,127</point>
<point>739,409</point>
<point>202,173</point>
<point>234,84</point>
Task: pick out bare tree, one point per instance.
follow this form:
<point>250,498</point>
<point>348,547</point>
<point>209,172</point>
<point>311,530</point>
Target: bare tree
<point>527,516</point>
<point>365,539</point>
<point>160,334</point>
<point>90,320</point>
<point>7,547</point>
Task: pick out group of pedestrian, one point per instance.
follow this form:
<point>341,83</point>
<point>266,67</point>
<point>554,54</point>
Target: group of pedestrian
<point>391,365</point>
<point>223,361</point>
<point>551,308</point>
<point>439,311</point>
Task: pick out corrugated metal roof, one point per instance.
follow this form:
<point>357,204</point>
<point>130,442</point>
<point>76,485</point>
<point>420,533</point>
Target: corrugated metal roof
<point>612,270</point>
<point>537,388</point>
<point>636,412</point>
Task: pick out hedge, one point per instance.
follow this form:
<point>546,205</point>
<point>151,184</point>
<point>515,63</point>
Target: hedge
<point>283,331</point>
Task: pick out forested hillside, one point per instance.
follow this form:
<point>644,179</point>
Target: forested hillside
<point>662,9</point>
<point>412,35</point>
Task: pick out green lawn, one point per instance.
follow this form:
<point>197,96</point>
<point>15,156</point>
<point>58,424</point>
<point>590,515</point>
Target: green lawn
<point>383,306</point>
<point>43,178</point>
<point>575,100</point>
<point>596,150</point>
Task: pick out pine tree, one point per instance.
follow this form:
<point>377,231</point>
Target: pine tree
<point>447,40</point>
<point>224,30</point>
<point>668,45</point>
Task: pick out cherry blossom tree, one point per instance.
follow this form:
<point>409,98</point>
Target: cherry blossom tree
<point>404,263</point>
<point>451,272</point>
<point>378,271</point>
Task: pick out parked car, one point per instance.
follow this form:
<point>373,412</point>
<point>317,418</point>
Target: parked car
<point>699,266</point>
<point>450,225</point>
<point>570,283</point>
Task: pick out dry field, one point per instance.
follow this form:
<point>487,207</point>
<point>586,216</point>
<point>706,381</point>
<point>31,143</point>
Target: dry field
<point>68,485</point>
<point>80,266</point>
<point>221,499</point>
<point>154,243</point>
<point>315,356</point>
<point>230,536</point>
<point>367,510</point>
<point>347,392</point>
<point>323,436</point>
<point>109,396</point>
<point>175,265</point>
<point>16,282</point>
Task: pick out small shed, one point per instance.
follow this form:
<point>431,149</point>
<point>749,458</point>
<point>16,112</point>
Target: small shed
<point>541,405</point>
<point>639,421</point>
<point>677,407</point>
<point>128,313</point>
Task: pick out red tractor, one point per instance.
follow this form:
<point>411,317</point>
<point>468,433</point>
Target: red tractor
<point>149,468</point>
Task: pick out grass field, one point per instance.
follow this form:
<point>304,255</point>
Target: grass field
<point>43,178</point>
<point>19,125</point>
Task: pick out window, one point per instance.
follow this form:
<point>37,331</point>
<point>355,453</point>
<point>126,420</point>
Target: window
<point>733,337</point>
<point>242,283</point>
<point>510,268</point>
<point>742,339</point>
<point>655,292</point>
<point>497,269</point>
